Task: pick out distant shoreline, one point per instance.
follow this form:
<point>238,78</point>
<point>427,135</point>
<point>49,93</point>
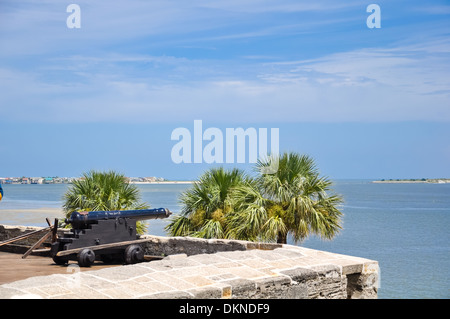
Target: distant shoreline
<point>407,181</point>
<point>164,182</point>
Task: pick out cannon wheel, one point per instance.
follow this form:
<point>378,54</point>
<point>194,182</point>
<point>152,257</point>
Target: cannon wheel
<point>133,254</point>
<point>60,260</point>
<point>86,257</point>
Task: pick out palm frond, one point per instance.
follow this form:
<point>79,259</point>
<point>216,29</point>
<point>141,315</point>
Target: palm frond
<point>210,229</point>
<point>179,226</point>
<point>98,191</point>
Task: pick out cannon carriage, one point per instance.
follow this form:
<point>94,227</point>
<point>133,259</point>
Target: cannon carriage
<point>103,235</point>
<point>108,236</point>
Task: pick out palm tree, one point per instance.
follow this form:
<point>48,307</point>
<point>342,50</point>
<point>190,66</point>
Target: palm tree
<point>206,204</point>
<point>98,191</point>
<point>287,197</point>
<point>296,199</point>
<point>247,219</point>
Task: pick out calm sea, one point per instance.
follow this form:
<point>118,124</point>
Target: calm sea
<point>405,227</point>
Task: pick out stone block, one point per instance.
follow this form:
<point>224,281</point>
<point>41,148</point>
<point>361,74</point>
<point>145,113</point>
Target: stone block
<point>300,274</point>
<point>11,293</point>
<point>272,287</point>
<point>349,266</point>
<point>241,288</point>
<point>328,270</point>
<point>176,257</point>
<point>168,295</point>
<point>288,253</point>
<point>209,292</point>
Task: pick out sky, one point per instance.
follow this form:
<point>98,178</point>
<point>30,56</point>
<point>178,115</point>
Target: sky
<point>363,102</point>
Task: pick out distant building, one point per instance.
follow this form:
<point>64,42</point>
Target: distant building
<point>68,180</point>
<point>48,180</point>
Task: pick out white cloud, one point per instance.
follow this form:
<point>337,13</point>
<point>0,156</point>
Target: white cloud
<point>399,69</point>
<point>408,81</point>
<point>286,6</point>
<point>395,84</point>
<point>40,27</point>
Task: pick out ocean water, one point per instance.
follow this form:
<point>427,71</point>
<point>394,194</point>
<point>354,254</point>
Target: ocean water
<point>405,227</point>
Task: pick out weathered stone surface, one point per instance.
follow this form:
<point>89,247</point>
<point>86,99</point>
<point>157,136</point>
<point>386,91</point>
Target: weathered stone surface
<point>168,295</point>
<point>210,292</point>
<point>272,287</point>
<point>296,291</point>
<point>300,274</point>
<point>165,246</point>
<point>10,232</point>
<point>362,286</point>
<point>329,284</point>
<point>10,293</point>
<point>198,268</point>
<point>242,288</point>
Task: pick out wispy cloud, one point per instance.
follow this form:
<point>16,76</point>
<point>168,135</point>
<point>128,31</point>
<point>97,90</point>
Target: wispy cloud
<point>420,70</point>
<point>32,27</point>
<point>284,6</point>
<point>433,9</point>
<point>379,84</point>
<point>141,61</point>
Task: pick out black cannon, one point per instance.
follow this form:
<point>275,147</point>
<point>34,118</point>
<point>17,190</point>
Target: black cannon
<point>103,235</point>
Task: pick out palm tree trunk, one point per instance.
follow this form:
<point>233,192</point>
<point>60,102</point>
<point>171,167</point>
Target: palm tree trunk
<point>281,238</point>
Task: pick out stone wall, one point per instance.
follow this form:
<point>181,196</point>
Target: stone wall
<point>8,232</point>
<point>200,268</point>
<point>320,275</point>
<point>165,246</point>
<point>22,245</point>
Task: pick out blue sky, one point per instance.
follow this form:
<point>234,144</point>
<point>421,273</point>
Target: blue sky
<point>365,103</point>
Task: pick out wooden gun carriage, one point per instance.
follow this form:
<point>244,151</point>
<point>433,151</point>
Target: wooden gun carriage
<point>97,235</point>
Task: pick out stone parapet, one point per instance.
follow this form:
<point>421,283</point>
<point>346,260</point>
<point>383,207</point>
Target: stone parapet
<point>166,246</point>
<point>199,268</point>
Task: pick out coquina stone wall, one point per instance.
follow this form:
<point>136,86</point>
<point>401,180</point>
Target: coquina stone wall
<point>239,269</point>
<point>11,231</point>
<point>318,274</point>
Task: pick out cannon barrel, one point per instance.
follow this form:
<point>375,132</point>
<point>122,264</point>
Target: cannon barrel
<point>82,219</point>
